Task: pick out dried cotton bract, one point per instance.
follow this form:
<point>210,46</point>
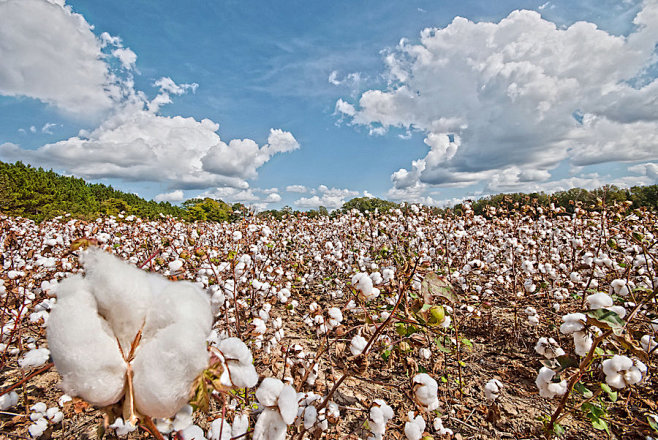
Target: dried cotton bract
<point>111,305</point>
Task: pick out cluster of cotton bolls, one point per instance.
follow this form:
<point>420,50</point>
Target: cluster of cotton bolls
<point>42,416</point>
<point>323,321</point>
<point>364,285</point>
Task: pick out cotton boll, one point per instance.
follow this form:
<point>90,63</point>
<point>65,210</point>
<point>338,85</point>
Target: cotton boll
<point>240,425</point>
<point>220,429</point>
<point>599,301</point>
<point>287,403</point>
<point>619,287</point>
<point>8,400</point>
<point>270,426</point>
<point>122,429</point>
<point>122,293</point>
<point>548,388</point>
<point>573,322</point>
<point>310,417</point>
<point>548,348</point>
<point>621,371</point>
<point>192,432</point>
<point>239,361</point>
<point>582,343</point>
<point>83,347</point>
<point>439,428</point>
<point>648,343</point>
<point>165,368</point>
<point>415,427</point>
<point>380,414</point>
<point>357,345</point>
<point>34,358</point>
<point>175,265</point>
<point>426,389</point>
<point>492,389</point>
<point>38,428</point>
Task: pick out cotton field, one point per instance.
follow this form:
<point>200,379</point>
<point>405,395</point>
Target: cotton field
<point>535,323</point>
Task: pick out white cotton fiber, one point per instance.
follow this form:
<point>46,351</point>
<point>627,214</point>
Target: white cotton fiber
<point>114,301</point>
<point>270,426</point>
<point>165,368</point>
<point>122,293</point>
<point>178,302</point>
<point>83,347</point>
<point>239,361</point>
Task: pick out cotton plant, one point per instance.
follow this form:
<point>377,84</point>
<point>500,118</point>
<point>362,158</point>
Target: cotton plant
<point>121,330</point>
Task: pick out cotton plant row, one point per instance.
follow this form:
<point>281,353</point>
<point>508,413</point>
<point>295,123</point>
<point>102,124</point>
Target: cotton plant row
<point>254,274</point>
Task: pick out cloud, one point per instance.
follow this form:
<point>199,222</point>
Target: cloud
<point>242,157</point>
<point>648,169</point>
<point>137,144</point>
<point>50,53</point>
<point>507,102</point>
<point>331,198</point>
<point>47,128</point>
<point>174,196</point>
<point>296,188</point>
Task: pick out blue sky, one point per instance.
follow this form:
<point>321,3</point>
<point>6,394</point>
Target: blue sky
<point>313,103</point>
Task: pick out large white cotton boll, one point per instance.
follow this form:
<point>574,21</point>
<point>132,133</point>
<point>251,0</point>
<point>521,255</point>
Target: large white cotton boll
<point>165,368</point>
<point>122,293</point>
<point>83,347</point>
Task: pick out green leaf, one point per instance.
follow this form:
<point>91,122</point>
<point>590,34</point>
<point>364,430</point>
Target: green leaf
<point>467,342</point>
<point>558,430</point>
<point>605,318</point>
<point>611,394</point>
<point>601,425</point>
<point>583,390</point>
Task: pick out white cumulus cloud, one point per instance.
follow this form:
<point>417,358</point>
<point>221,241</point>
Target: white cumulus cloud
<point>506,102</point>
<point>331,198</point>
<point>174,196</point>
<point>50,53</point>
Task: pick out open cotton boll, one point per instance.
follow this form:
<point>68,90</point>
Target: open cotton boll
<point>619,287</point>
<point>357,345</point>
<point>239,361</point>
<point>548,348</point>
<point>599,300</point>
<point>380,414</point>
<point>122,293</point>
<point>122,428</point>
<point>573,322</point>
<point>440,429</point>
<point>220,429</point>
<point>621,371</point>
<point>240,425</point>
<point>648,343</point>
<point>8,400</point>
<point>83,346</point>
<point>548,388</point>
<point>34,358</point>
<point>165,368</point>
<point>492,389</point>
<point>426,389</point>
<point>415,427</point>
<point>192,432</point>
<point>281,409</point>
<point>175,265</point>
<point>582,343</point>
